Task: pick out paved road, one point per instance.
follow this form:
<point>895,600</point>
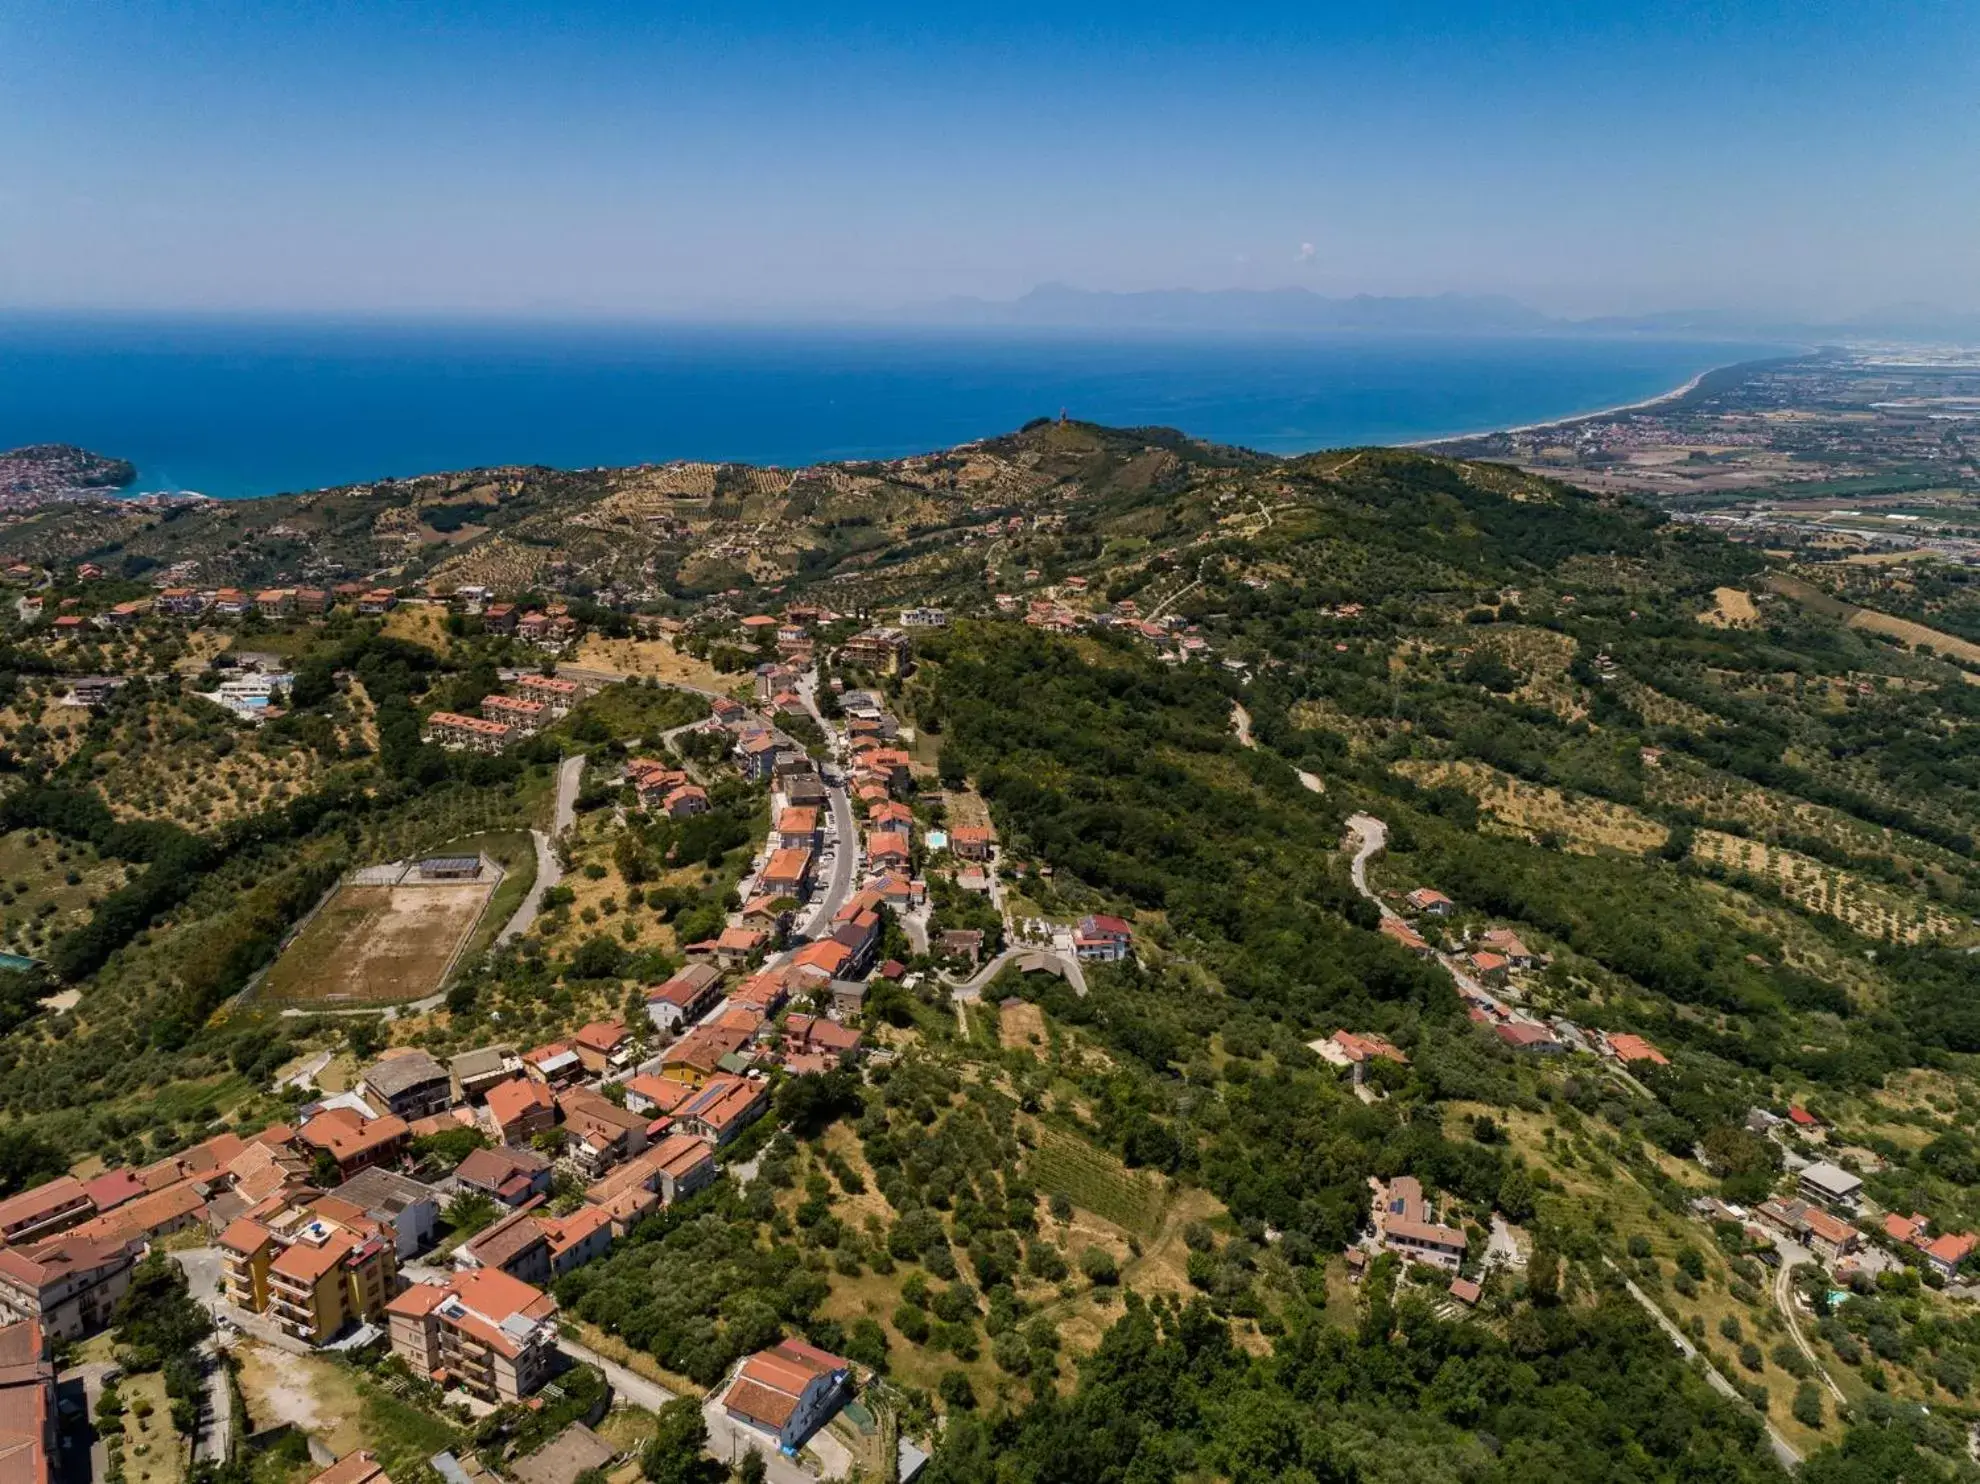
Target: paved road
<point>845,863</point>
<point>215,1438</point>
<point>1783,1450</point>
<point>1241,721</point>
<point>90,1379</point>
<point>306,1074</point>
<point>563,814</point>
<point>630,1385</point>
<point>1370,835</point>
<point>972,987</point>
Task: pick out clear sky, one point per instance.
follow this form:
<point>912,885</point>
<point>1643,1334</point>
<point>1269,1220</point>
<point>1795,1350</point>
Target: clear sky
<point>774,157</point>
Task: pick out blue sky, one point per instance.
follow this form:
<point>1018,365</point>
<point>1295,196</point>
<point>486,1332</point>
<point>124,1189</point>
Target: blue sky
<point>783,158</point>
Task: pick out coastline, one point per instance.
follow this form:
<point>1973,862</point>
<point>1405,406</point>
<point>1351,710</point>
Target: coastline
<point>246,412</point>
<point>1676,393</point>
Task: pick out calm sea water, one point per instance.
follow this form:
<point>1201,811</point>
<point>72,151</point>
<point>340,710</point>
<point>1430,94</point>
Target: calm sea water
<point>238,408</point>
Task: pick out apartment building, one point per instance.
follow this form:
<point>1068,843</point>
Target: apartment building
<point>491,1333</point>
<point>44,1210</point>
<point>527,717</point>
<point>559,695</point>
<point>27,1406</point>
<point>474,733</point>
<point>67,1285</point>
<point>409,1083</point>
<point>314,1267</point>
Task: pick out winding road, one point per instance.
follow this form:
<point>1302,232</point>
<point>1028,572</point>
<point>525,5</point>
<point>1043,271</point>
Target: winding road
<point>1370,835</point>
<point>1783,1450</point>
<point>570,773</point>
<point>1241,723</point>
<point>1793,1255</point>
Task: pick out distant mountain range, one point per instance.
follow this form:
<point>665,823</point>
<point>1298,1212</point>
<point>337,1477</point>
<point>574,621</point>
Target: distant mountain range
<point>1055,305</point>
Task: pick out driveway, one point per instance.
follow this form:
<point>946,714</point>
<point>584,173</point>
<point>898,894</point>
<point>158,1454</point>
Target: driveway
<point>729,1440</point>
<point>1793,1255</point>
<point>630,1386</point>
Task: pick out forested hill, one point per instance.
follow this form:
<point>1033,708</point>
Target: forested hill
<point>1097,1225</point>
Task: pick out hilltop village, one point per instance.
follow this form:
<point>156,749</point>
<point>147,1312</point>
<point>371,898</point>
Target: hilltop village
<point>1159,903</point>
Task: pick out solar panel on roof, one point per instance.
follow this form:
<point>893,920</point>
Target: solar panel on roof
<point>450,863</point>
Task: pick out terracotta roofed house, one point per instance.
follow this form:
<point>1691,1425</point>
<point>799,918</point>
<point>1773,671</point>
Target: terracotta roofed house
<point>787,873</point>
<point>1949,1252</point>
<point>28,1418</point>
<point>520,1107</point>
<point>1631,1048</point>
<point>1102,937</point>
<point>973,843</point>
<point>486,1330</point>
<point>361,1467</point>
<point>1429,901</point>
<point>602,1045</point>
<point>722,1108</point>
<point>1363,1048</point>
<point>66,1284</point>
<point>1524,1035</point>
<point>1403,1218</point>
<point>511,1176</point>
<point>355,1142</point>
<point>43,1210</point>
<point>788,1391</point>
<point>684,997</point>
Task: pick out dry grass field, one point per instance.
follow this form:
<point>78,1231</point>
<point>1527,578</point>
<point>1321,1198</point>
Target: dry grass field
<point>1020,1026</point>
<point>1730,608</point>
<point>655,657</point>
<point>424,624</point>
<point>377,945</point>
<point>1911,635</point>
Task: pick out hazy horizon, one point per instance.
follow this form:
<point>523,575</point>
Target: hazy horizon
<point>1768,159</point>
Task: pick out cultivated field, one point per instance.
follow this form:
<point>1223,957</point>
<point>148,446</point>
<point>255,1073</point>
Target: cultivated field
<point>1065,1165</point>
<point>376,945</point>
<point>1583,823</point>
<point>1869,907</point>
<point>1911,635</point>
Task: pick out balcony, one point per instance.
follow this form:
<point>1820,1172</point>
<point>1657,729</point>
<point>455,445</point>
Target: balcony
<point>292,1306</point>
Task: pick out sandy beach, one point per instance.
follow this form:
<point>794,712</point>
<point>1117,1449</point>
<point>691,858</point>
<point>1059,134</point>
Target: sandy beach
<point>1659,400</point>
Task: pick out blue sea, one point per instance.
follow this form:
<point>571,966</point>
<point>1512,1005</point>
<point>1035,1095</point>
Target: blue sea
<point>237,408</point>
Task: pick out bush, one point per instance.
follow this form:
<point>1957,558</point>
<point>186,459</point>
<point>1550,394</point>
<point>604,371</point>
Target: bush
<point>1011,1353</point>
<point>1807,1406</point>
<point>956,1392</point>
<point>1751,1358</point>
<point>1099,1267</point>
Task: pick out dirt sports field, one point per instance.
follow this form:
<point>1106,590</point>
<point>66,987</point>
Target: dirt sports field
<point>377,944</point>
